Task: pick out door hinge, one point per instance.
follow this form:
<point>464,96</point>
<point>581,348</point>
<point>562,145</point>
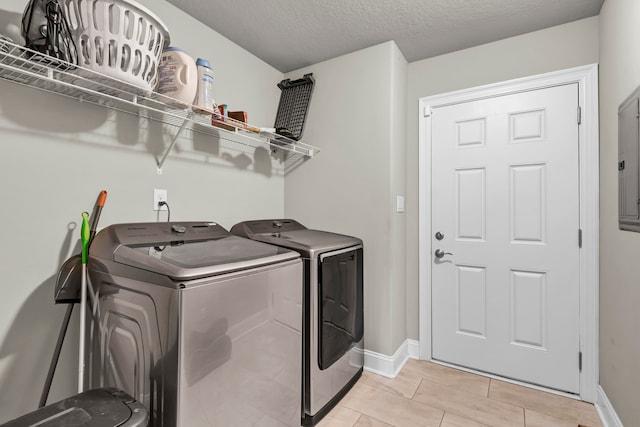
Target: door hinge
<point>579,115</point>
<point>426,112</point>
<point>580,237</point>
<point>580,361</point>
<point>621,165</point>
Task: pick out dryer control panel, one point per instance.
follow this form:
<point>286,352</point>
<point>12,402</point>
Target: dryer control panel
<point>266,226</point>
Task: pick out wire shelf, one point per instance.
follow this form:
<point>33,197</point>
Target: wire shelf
<point>30,68</point>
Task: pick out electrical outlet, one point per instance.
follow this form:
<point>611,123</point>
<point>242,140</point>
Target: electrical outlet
<point>159,196</point>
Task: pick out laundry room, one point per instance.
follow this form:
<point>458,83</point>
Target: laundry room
<point>355,171</point>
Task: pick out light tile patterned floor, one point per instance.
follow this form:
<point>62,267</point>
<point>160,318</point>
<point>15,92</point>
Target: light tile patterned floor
<point>428,394</point>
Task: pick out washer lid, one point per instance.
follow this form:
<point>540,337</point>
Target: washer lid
<point>290,234</point>
<point>183,251</point>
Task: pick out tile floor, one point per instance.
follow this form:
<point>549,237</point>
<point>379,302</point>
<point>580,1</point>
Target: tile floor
<point>428,394</point>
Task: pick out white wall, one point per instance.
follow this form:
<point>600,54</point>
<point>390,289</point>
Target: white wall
<point>57,154</point>
<point>555,48</point>
<point>619,267</point>
<point>356,118</point>
<point>398,187</point>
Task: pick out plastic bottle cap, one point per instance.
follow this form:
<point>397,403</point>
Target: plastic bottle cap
<point>173,49</point>
<point>203,63</point>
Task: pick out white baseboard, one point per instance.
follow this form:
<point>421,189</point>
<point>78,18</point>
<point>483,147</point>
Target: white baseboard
<point>606,411</point>
<point>390,366</point>
<point>414,349</point>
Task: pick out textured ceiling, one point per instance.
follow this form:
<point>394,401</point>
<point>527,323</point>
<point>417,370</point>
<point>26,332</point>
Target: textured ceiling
<point>290,34</point>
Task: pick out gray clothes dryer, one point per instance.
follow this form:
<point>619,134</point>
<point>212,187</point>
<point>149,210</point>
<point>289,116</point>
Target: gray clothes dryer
<point>333,308</point>
<point>201,326</point>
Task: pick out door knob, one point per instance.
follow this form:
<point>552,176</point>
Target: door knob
<point>440,253</point>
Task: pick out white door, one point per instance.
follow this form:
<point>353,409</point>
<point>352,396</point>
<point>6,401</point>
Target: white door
<point>505,197</point>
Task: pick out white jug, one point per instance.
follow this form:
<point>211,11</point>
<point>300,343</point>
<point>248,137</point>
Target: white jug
<point>178,76</point>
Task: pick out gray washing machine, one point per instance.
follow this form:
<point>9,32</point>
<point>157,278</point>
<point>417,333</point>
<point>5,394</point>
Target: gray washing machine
<point>333,308</point>
<point>201,326</point>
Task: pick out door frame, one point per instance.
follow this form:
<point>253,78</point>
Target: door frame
<point>588,151</point>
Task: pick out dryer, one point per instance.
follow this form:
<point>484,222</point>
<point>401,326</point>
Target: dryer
<point>201,326</point>
<point>333,308</point>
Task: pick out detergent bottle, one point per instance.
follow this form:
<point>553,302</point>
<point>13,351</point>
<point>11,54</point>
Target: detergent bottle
<point>177,76</point>
<point>205,104</point>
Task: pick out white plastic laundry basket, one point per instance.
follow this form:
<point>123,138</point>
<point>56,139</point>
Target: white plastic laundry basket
<point>118,38</point>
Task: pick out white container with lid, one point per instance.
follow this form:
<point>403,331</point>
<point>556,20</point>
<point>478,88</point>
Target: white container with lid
<point>204,102</point>
<point>178,76</point>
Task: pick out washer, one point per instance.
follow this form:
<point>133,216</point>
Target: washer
<point>201,326</point>
<point>333,321</point>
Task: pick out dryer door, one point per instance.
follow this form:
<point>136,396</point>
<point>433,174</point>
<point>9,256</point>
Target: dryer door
<point>340,320</point>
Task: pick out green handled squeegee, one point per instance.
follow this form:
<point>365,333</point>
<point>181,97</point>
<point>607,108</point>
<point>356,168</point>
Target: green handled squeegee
<point>84,236</point>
